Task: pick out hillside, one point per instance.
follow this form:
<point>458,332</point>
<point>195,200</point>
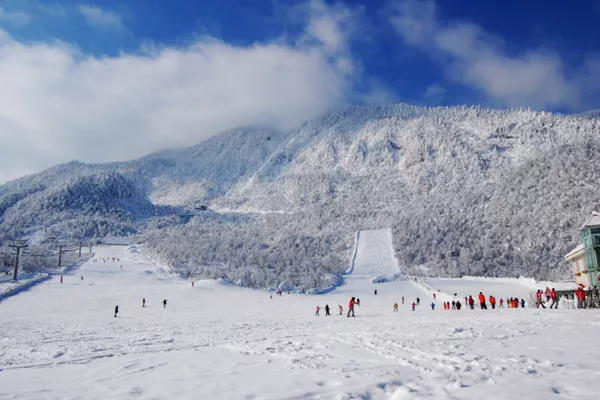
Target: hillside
<point>465,190</point>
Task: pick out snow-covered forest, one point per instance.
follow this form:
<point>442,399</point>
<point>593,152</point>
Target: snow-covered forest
<point>465,190</point>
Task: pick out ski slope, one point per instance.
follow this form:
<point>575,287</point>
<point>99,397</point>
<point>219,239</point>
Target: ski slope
<point>218,341</point>
<point>374,254</point>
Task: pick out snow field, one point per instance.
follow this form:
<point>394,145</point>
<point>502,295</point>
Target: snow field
<point>218,341</point>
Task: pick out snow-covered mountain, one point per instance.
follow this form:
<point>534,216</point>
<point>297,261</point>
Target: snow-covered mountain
<point>465,190</point>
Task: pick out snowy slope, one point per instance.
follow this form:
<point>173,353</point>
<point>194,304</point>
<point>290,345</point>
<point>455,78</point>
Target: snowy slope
<point>222,342</point>
<point>459,187</point>
<point>375,255</point>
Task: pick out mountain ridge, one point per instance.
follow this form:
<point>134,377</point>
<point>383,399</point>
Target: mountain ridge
<point>436,176</point>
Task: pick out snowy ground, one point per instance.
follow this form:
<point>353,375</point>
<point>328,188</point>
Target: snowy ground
<point>216,341</point>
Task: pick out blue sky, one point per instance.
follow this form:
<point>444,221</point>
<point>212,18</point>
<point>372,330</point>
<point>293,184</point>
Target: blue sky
<point>151,74</point>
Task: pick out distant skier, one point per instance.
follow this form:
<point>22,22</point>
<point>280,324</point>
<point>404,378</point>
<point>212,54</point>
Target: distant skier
<point>554,298</point>
<point>501,303</point>
<point>413,306</point>
<point>453,305</point>
<point>61,279</point>
<point>522,303</point>
<point>395,307</point>
<point>458,305</point>
<point>341,309</point>
<point>434,296</point>
<point>375,292</point>
<point>81,277</point>
<point>351,307</point>
<point>493,302</point>
<point>471,302</point>
<point>116,311</point>
<point>482,301</point>
<point>193,283</point>
<point>327,310</point>
<point>144,302</point>
<point>432,306</point>
<point>538,297</point>
<point>418,301</point>
<point>165,303</point>
<point>317,311</point>
<point>402,299</point>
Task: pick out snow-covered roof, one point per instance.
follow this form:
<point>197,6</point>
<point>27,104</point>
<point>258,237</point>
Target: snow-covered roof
<point>574,251</point>
<point>594,220</point>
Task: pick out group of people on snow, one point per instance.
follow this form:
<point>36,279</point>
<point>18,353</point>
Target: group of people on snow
<point>164,303</point>
<point>354,301</point>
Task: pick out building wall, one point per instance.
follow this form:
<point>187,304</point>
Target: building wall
<point>578,266</point>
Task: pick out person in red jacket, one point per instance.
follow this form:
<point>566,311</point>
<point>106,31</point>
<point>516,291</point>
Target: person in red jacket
<point>501,303</point>
<point>471,303</point>
<point>493,302</point>
<point>554,298</point>
<point>580,294</point>
<point>482,301</point>
<point>351,307</point>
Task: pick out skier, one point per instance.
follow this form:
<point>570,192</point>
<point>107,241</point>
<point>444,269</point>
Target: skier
<point>445,306</point>
<point>413,306</point>
<point>192,283</point>
<point>580,294</point>
<point>522,303</point>
<point>402,299</point>
<point>144,302</point>
<point>327,310</point>
<point>418,301</point>
<point>482,301</point>
<point>432,306</point>
<point>554,298</point>
<point>395,307</point>
<point>341,309</point>
<point>434,296</point>
<point>317,311</point>
<point>471,302</point>
<point>61,279</point>
<point>116,311</point>
<point>458,305</point>
<point>164,303</point>
<point>453,305</point>
<point>501,303</point>
<point>81,277</point>
<point>375,292</point>
<point>539,301</point>
<point>493,302</point>
<point>351,307</point>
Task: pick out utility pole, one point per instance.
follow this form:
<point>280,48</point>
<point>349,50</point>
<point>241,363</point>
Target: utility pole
<point>18,247</point>
<point>60,254</point>
<point>90,247</point>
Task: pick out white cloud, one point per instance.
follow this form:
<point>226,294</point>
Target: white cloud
<point>100,18</point>
<point>57,105</point>
<point>15,18</point>
<point>435,94</point>
<point>536,78</point>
